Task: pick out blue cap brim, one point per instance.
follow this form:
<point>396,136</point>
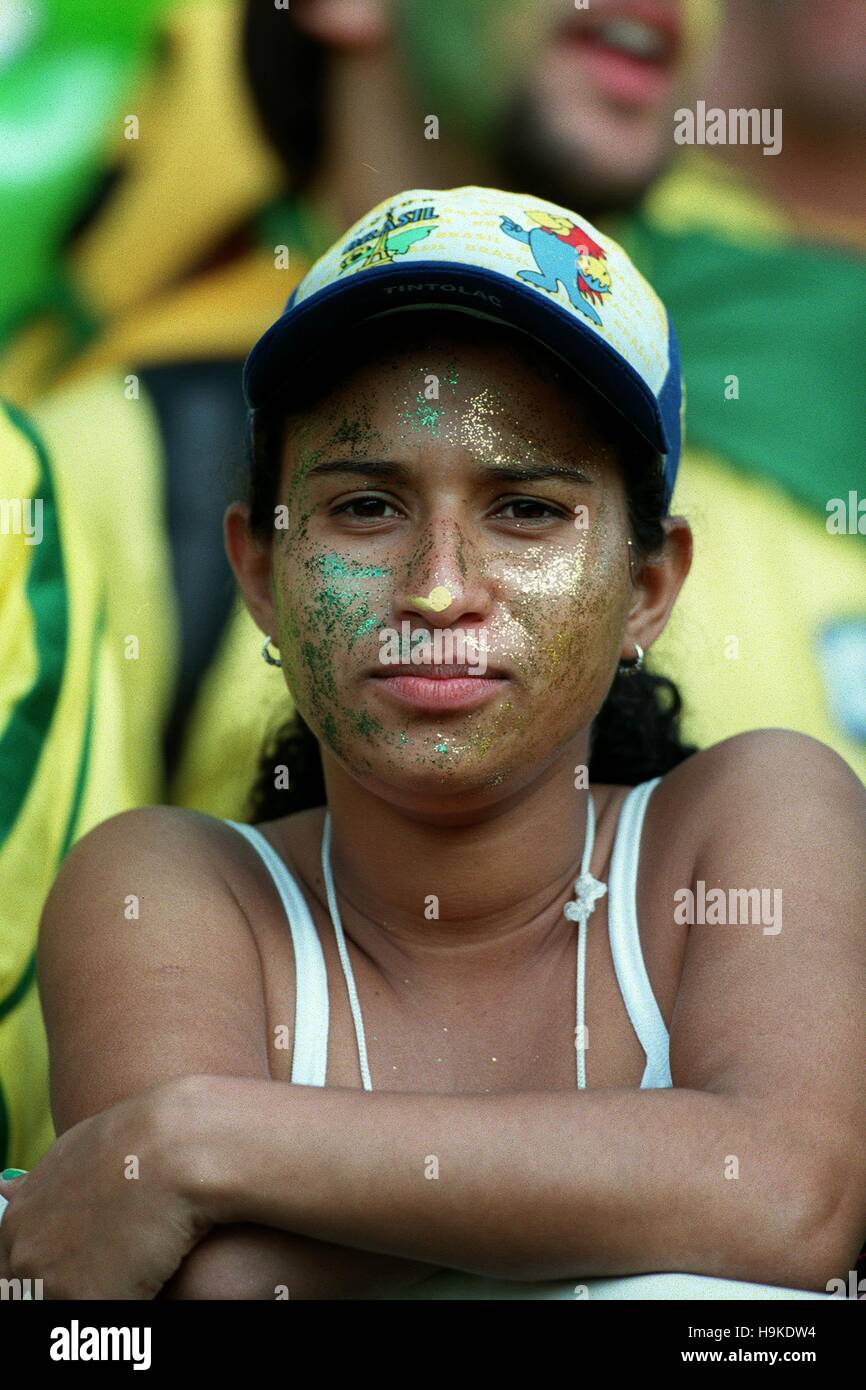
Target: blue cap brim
<point>306,329</point>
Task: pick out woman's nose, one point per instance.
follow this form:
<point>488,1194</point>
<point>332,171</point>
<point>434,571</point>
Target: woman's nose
<point>446,586</point>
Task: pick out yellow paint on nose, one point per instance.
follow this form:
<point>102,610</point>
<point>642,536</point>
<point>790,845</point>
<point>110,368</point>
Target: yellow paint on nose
<point>438,599</point>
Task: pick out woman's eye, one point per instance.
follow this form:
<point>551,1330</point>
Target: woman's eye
<point>366,503</point>
<point>546,508</point>
<point>529,509</point>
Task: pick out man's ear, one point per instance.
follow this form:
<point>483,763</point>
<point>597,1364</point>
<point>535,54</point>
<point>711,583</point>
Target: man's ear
<point>342,23</point>
<point>657,583</point>
<point>250,558</point>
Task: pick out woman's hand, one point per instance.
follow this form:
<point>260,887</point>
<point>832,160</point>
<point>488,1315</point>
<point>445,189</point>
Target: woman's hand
<point>109,1212</point>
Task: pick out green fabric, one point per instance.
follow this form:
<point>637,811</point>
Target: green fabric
<point>28,975</point>
<point>27,979</point>
<point>68,66</point>
<point>30,722</point>
<point>4,1129</point>
<point>787,320</point>
<point>18,991</point>
<point>84,760</point>
<point>295,223</point>
<point>23,738</point>
<point>466,58</point>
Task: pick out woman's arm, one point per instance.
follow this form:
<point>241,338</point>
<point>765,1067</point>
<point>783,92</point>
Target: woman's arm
<point>750,1169</point>
<point>149,971</point>
<point>253,1262</point>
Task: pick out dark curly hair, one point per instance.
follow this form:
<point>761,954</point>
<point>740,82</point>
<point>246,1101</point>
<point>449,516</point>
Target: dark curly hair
<point>635,735</point>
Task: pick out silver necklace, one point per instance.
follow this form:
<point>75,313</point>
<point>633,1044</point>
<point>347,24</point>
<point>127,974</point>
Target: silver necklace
<point>587,892</point>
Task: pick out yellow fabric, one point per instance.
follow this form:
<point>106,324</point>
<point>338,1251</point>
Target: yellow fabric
<point>199,170</point>
<point>242,700</point>
<point>113,447</point>
<point>767,575</point>
<point>89,765</point>
<point>218,315</point>
<point>700,192</point>
<point>106,449</point>
<point>32,360</point>
<point>24,1076</point>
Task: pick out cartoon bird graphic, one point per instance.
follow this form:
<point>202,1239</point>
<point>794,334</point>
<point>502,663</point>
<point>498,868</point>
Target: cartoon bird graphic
<point>565,254</point>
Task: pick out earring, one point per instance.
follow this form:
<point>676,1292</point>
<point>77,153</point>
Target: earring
<point>631,668</point>
<point>271,660</point>
<point>630,560</point>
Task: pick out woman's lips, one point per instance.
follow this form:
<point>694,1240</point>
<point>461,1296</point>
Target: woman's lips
<point>438,693</point>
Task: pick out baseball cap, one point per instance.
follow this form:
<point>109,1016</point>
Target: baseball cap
<point>510,257</point>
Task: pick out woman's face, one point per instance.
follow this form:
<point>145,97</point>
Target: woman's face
<point>404,499</point>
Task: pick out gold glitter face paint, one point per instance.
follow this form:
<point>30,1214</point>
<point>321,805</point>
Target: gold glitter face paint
<point>549,599</point>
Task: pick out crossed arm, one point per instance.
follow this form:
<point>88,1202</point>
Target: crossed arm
<point>748,1169</point>
<point>530,1186</point>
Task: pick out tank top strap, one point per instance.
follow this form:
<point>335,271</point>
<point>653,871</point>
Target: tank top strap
<point>310,1055</point>
<point>625,947</point>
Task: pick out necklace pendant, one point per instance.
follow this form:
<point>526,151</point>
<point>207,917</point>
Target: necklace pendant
<point>588,890</point>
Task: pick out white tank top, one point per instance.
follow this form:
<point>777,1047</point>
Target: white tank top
<point>309,1065</point>
<point>310,1057</point>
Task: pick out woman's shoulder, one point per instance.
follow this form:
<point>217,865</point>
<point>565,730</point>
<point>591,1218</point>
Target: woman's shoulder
<point>752,756</point>
<point>144,828</point>
<point>145,834</point>
<point>175,852</point>
<point>771,782</point>
<point>149,958</point>
<point>169,857</point>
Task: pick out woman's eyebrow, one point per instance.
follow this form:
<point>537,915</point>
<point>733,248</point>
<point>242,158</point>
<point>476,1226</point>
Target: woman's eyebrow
<point>533,473</point>
<point>400,473</point>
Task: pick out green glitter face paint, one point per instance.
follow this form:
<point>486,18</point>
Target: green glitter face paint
<point>365,551</point>
<point>425,416</point>
<point>426,412</point>
<point>342,597</point>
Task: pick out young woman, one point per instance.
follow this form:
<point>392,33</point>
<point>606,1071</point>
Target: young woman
<point>562,1002</point>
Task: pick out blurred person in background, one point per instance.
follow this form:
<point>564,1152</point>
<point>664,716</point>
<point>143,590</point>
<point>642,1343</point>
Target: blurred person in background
<point>153,272</point>
<point>810,60</point>
<point>761,261</point>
